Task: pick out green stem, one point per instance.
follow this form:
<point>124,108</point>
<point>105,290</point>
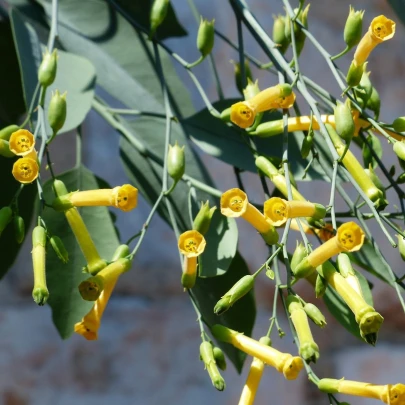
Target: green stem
<point>339,55</point>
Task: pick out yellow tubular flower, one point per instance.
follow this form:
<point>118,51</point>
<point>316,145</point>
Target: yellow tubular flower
<point>349,238</point>
<point>244,113</point>
<point>284,102</point>
<point>381,29</point>
<point>389,394</point>
<point>277,210</point>
<point>22,142</point>
<point>235,203</point>
<point>283,362</point>
<point>253,379</point>
<point>25,170</point>
<point>123,197</point>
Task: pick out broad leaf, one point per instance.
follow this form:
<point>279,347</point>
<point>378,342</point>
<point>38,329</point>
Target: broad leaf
<point>63,279</point>
<point>240,317</point>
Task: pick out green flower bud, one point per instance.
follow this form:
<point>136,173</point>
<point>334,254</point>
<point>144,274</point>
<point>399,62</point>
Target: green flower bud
<point>251,89</point>
<point>399,149</point>
<point>307,144</point>
<point>344,265</point>
<point>299,254</point>
<point>59,248</point>
<point>374,103</point>
<point>19,228</point>
<point>219,357</point>
<point>158,13</point>
<point>344,122</point>
<point>121,252</point>
<point>57,111</point>
<point>59,187</point>
<point>364,90</point>
<point>176,162</point>
<point>269,128</point>
<point>202,220</point>
<point>205,37</point>
<point>238,75</point>
<point>239,289</point>
<point>401,179</point>
<point>226,115</point>
<point>40,292</point>
<point>5,217</point>
<point>300,36</point>
<point>401,246</point>
<point>399,124</point>
<point>321,285</point>
<point>354,74</point>
<point>6,132</point>
<point>279,36</point>
<point>375,179</point>
<point>207,356</point>
<point>315,314</point>
<point>47,69</point>
<point>5,149</point>
<point>353,29</point>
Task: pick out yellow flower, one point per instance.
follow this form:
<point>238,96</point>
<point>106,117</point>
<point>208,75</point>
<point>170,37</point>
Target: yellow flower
<point>283,362</point>
<point>234,203</point>
<point>244,113</point>
<point>22,142</point>
<point>284,102</point>
<point>25,170</point>
<point>89,325</point>
<point>191,244</point>
<point>389,394</point>
<point>277,210</point>
<point>381,29</point>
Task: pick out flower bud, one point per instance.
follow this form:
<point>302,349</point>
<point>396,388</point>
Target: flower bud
<point>219,357</point>
<point>40,291</point>
<point>238,75</point>
<point>57,111</point>
<point>239,289</point>
<point>207,356</point>
<point>5,218</point>
<point>158,14</point>
<point>299,254</point>
<point>5,149</point>
<point>364,90</point>
<point>279,36</point>
<point>321,285</point>
<point>401,179</point>
<point>353,27</point>
<point>47,69</point>
<point>307,144</point>
<point>401,246</point>
<point>203,219</point>
<point>59,249</point>
<point>19,228</point>
<point>315,314</point>
<point>6,132</point>
<point>374,103</point>
<point>344,122</point>
<point>399,149</point>
<point>375,179</point>
<point>121,252</point>
<point>176,162</point>
<point>354,74</point>
<point>300,36</point>
<point>205,37</point>
<point>399,124</point>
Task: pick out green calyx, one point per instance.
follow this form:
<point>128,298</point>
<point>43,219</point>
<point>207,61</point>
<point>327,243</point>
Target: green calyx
<point>369,322</point>
<point>207,356</point>
<point>344,265</point>
<point>315,314</point>
<point>202,220</point>
<point>309,351</point>
<point>57,111</point>
<point>223,333</point>
<point>158,14</point>
<point>271,236</point>
<point>205,37</point>
<point>303,269</point>
<point>353,28</point>
<point>321,285</point>
<point>238,76</point>
<point>328,385</point>
<point>39,236</point>
<point>299,254</point>
<point>354,74</point>
<point>47,69</point>
<point>176,162</point>
<point>121,252</point>
<point>40,295</point>
<point>279,36</point>
<point>219,357</point>
<point>188,280</point>
<point>59,248</point>
<point>344,122</point>
<point>62,203</point>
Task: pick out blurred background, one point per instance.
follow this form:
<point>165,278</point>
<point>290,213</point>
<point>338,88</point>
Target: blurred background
<point>147,352</point>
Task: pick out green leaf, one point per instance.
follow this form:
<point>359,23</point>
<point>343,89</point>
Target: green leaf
<point>8,187</point>
<point>230,144</point>
<point>63,279</point>
<point>136,11</point>
<point>240,317</point>
<point>375,144</point>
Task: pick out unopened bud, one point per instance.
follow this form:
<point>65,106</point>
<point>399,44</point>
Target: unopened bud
<point>121,252</point>
<point>344,265</point>
<point>354,74</point>
<point>5,149</point>
<point>207,356</point>
<point>240,288</point>
<point>6,132</point>
<point>57,111</point>
<point>158,13</point>
<point>364,90</point>
<point>399,149</point>
<point>59,248</point>
<point>205,37</point>
<point>401,246</point>
<point>321,285</point>
<point>279,36</point>
<point>353,28</point>
<point>5,217</point>
<point>238,75</point>
<point>176,162</point>
<point>19,228</point>
<point>300,36</point>
<point>374,103</point>
<point>219,357</point>
<point>299,254</point>
<point>202,220</point>
<point>47,69</point>
<point>401,179</point>
<point>399,124</point>
<point>315,314</point>
<point>307,144</point>
<point>344,122</point>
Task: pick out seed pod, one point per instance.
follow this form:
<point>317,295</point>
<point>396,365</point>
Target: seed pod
<point>59,249</point>
<point>315,314</point>
<point>6,132</point>
<point>279,36</point>
<point>399,124</point>
<point>5,149</point>
<point>344,122</point>
<point>176,162</point>
<point>47,69</point>
<point>238,75</point>
<point>401,246</point>
<point>205,37</point>
<point>158,14</point>
<point>353,27</point>
<point>354,74</point>
<point>5,218</point>
<point>19,228</point>
<point>399,149</point>
<point>364,90</point>
<point>219,357</point>
<point>374,103</point>
<point>202,220</point>
<point>57,111</point>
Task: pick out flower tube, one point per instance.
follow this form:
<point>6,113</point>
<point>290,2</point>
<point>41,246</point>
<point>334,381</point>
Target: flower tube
<point>235,203</point>
<point>244,113</point>
<point>123,197</point>
<point>349,238</point>
<point>283,362</point>
<point>191,244</point>
<point>389,394</point>
<point>253,379</point>
<point>277,210</point>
